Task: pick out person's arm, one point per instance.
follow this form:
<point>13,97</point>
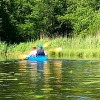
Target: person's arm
<point>35,52</point>
<point>45,53</point>
<point>30,54</point>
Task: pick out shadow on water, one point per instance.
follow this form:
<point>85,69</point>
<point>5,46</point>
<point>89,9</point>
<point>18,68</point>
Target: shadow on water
<point>59,79</point>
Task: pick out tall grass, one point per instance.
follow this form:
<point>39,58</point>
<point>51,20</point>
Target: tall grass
<point>24,47</point>
<point>75,47</point>
<point>3,48</point>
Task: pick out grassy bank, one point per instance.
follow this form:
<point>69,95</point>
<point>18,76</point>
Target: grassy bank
<point>75,47</point>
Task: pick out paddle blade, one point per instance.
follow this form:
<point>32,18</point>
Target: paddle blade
<point>23,56</point>
<point>58,49</point>
<point>47,44</point>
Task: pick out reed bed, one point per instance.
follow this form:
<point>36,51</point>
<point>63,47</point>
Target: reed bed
<point>74,47</point>
<point>3,48</point>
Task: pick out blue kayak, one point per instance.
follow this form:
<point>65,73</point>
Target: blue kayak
<point>38,58</point>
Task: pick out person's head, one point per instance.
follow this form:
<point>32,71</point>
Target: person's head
<point>40,46</point>
<point>33,47</point>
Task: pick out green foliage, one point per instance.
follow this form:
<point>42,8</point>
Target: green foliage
<point>82,15</point>
<point>26,20</point>
<point>94,28</point>
<point>74,47</point>
<point>3,48</point>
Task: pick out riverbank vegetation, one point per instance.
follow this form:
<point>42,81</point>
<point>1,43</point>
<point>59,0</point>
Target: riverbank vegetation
<point>72,26</point>
<point>88,47</point>
<point>27,20</point>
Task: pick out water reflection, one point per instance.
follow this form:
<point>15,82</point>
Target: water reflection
<point>43,74</point>
<point>53,79</point>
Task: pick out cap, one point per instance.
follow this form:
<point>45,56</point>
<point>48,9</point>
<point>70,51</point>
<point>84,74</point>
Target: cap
<point>33,47</point>
<point>40,46</point>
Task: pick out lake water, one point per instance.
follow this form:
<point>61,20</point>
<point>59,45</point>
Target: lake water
<point>55,79</point>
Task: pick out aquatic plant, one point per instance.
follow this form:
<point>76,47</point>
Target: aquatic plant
<point>77,46</point>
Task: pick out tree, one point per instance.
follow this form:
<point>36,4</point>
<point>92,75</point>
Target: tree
<point>81,16</point>
<point>25,20</point>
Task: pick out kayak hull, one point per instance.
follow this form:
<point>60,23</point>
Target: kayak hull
<point>38,58</point>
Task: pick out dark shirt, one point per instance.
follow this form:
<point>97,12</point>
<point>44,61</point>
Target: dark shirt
<point>40,52</point>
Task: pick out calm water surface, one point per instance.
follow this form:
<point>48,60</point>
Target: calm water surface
<point>54,79</point>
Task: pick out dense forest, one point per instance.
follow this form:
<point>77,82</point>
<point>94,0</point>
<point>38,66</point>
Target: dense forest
<point>26,20</point>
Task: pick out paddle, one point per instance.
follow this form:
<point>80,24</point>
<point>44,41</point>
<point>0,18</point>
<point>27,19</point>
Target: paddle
<point>47,44</point>
<point>24,56</point>
<point>58,49</point>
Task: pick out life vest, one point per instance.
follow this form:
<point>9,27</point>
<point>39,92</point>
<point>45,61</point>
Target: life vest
<point>40,52</point>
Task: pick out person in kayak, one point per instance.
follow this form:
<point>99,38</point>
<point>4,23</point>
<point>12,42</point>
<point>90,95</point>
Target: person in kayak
<point>33,52</point>
<point>41,52</point>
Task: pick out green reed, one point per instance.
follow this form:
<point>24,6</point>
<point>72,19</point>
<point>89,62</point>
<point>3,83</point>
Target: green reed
<point>3,47</point>
<point>79,47</point>
<point>24,47</point>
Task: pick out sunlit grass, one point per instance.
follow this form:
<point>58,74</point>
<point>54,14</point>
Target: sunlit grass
<point>79,47</point>
<point>3,47</point>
